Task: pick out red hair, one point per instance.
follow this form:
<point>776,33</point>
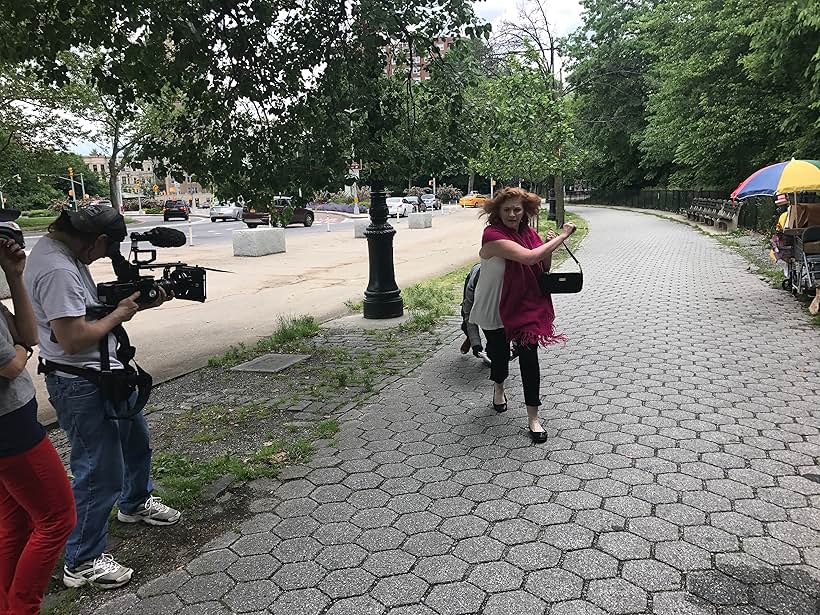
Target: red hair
<point>529,201</point>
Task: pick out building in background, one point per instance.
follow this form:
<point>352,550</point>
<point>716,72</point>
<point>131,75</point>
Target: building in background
<point>397,59</point>
<point>140,178</point>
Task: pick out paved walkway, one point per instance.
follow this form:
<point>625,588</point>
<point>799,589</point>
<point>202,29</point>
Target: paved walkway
<point>681,414</point>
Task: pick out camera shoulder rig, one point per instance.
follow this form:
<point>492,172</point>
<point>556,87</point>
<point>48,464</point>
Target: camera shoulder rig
<point>117,386</point>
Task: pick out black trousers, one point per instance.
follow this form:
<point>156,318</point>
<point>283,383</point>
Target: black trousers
<point>498,350</point>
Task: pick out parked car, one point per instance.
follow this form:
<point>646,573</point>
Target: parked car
<point>431,201</point>
<point>226,211</point>
<point>281,217</point>
<point>473,199</point>
<point>175,209</point>
<point>103,202</point>
<point>399,206</point>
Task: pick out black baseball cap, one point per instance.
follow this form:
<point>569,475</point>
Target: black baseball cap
<point>98,219</point>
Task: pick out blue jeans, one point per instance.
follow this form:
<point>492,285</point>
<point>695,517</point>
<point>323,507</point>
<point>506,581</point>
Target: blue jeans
<point>110,461</point>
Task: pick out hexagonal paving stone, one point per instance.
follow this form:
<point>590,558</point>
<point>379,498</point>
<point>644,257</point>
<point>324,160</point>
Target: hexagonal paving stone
<point>300,602</point>
<point>341,556</point>
<point>547,514</point>
<point>717,588</point>
<point>455,599</point>
<point>299,575</point>
<point>567,536</point>
<point>479,549</point>
<point>361,605</point>
<point>617,596</point>
<point>426,544</point>
<point>346,583</point>
<point>683,556</point>
<point>251,596</point>
<point>389,563</point>
<point>591,564</point>
<point>399,590</point>
<point>514,531</point>
<point>711,538</point>
<point>680,603</point>
<point>554,585</point>
<point>381,539</point>
<point>206,587</point>
<point>518,602</point>
<point>651,575</point>
<point>771,551</point>
<point>441,569</point>
<point>533,556</point>
<point>253,568</point>
<point>465,526</point>
<point>494,577</point>
<point>624,545</point>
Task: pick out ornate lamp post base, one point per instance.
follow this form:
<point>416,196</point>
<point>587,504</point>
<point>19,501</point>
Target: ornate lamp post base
<point>382,299</point>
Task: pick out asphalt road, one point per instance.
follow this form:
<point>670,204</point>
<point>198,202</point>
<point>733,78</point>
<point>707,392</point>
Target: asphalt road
<point>206,232</point>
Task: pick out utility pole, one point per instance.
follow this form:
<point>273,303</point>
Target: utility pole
<point>82,185</point>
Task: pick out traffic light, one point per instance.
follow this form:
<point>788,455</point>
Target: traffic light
<point>155,188</point>
<point>70,172</point>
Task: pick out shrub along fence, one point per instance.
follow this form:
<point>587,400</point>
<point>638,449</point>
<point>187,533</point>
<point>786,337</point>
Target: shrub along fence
<point>757,213</point>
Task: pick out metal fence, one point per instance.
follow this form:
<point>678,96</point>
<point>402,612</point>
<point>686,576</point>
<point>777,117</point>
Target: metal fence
<point>758,213</point>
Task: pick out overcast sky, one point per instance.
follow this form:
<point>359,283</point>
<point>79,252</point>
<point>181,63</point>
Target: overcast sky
<point>564,15</point>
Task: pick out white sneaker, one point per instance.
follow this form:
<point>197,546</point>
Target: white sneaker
<point>153,512</point>
<point>103,573</point>
<point>484,358</point>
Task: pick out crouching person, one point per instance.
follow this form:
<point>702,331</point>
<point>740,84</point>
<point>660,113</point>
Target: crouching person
<point>36,506</point>
<point>81,353</point>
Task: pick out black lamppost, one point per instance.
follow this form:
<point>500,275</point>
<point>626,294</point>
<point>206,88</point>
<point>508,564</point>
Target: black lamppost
<point>382,299</point>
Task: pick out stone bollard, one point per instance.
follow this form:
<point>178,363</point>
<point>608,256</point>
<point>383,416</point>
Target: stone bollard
<point>359,227</point>
<point>258,241</point>
<point>422,219</point>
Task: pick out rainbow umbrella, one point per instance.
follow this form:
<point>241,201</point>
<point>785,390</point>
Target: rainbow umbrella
<point>781,178</point>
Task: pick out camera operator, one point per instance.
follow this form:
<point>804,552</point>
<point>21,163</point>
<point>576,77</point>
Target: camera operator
<point>110,455</point>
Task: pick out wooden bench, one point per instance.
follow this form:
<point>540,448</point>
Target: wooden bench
<point>715,212</point>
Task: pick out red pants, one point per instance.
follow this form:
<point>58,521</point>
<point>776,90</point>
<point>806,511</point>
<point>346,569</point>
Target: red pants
<point>37,514</point>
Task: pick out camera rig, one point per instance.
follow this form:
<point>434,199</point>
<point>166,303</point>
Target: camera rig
<point>179,280</point>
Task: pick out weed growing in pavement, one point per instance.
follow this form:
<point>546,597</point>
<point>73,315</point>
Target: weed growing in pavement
<point>182,480</point>
<point>289,336</point>
<point>327,429</point>
<point>354,306</point>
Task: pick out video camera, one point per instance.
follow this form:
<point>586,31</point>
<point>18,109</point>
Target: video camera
<point>178,280</point>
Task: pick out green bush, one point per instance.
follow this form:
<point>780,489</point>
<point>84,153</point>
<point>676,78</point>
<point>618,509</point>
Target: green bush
<point>448,194</point>
<point>415,191</point>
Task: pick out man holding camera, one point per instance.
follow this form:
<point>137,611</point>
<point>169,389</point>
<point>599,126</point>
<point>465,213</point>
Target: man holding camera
<point>81,355</point>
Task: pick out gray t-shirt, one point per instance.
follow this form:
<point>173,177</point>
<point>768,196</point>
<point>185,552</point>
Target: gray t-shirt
<point>60,286</point>
<point>14,394</point>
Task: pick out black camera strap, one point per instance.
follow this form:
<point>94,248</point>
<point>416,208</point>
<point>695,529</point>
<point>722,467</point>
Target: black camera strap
<point>117,385</point>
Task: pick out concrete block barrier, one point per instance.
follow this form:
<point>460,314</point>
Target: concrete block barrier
<point>258,241</point>
<point>359,227</point>
<point>422,219</point>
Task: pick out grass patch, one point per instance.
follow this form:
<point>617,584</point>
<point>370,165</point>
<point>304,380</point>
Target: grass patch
<point>181,480</point>
<point>289,336</point>
<point>354,306</point>
<point>326,429</point>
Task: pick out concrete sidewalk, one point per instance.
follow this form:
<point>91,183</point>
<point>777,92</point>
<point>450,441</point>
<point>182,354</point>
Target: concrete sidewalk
<point>684,427</point>
<point>317,274</point>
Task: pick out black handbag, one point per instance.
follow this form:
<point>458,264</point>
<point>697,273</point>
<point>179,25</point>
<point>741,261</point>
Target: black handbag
<point>556,283</point>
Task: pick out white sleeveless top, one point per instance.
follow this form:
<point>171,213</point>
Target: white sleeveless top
<point>485,312</point>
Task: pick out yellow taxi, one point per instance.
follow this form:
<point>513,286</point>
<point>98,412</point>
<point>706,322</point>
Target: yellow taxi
<point>473,199</point>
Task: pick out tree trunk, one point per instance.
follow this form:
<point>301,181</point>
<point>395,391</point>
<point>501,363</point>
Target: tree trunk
<point>559,200</point>
<point>114,183</point>
<point>470,182</point>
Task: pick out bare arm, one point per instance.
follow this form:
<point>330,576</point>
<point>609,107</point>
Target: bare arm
<point>17,364</point>
<point>506,248</point>
<point>75,334</point>
<point>22,324</point>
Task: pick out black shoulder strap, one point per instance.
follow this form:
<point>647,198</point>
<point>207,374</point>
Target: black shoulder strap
<point>572,255</point>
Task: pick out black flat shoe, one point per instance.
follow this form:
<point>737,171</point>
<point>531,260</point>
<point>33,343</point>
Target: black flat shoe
<point>538,437</point>
<point>500,407</point>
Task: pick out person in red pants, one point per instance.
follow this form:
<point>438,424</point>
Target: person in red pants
<point>37,510</point>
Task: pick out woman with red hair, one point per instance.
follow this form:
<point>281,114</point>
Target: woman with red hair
<point>508,304</point>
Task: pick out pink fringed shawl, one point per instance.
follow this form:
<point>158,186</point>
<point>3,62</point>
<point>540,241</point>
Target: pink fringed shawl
<point>527,315</point>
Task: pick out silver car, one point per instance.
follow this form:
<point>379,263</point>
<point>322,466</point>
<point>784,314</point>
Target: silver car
<point>226,211</point>
<point>431,201</point>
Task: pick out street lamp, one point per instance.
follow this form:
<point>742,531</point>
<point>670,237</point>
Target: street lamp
<point>15,177</point>
<point>382,299</point>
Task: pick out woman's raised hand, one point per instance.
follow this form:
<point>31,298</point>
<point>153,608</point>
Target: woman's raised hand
<point>568,228</point>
